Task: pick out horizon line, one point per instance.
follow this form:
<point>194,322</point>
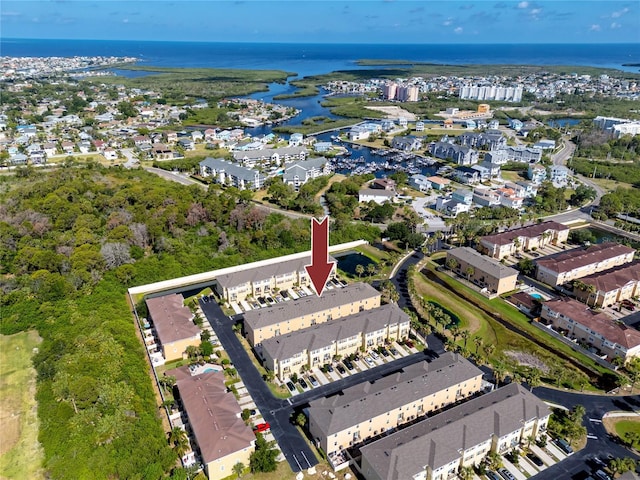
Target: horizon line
<point>312,43</point>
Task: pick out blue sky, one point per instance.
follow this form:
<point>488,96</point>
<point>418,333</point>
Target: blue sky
<point>328,21</point>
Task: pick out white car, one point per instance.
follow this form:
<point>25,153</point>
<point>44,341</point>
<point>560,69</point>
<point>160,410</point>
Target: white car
<point>369,361</point>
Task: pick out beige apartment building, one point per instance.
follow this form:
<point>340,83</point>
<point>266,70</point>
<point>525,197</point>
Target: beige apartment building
<point>173,324</point>
<point>580,262</point>
<point>596,329</point>
<point>265,280</point>
<point>610,286</point>
<point>437,447</point>
<point>368,409</point>
<point>214,416</point>
<point>317,345</point>
<point>482,270</point>
<point>286,317</point>
<point>507,243</point>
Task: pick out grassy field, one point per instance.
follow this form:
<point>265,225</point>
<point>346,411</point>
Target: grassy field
<point>20,453</point>
<point>620,426</point>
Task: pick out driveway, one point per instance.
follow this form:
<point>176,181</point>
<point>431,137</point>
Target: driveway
<point>294,447</point>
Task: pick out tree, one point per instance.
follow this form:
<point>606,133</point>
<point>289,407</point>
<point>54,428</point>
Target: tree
<point>621,465</point>
<point>477,341</point>
<point>465,336</point>
<point>469,272</point>
<point>499,373</point>
<point>238,468</point>
<point>466,473</point>
<point>452,263</point>
<point>359,270</point>
<point>263,459</point>
<point>179,440</point>
<point>167,381</point>
<point>533,378</point>
<point>371,269</point>
<point>301,420</point>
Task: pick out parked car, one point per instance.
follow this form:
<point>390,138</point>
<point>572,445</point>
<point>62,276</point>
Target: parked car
<point>313,381</point>
<point>369,361</point>
<point>262,427</point>
<point>348,364</point>
<point>374,355</point>
<point>329,367</point>
<point>564,446</point>
<point>491,475</point>
<point>506,474</point>
<point>341,369</point>
<point>384,352</point>
<point>291,386</point>
<point>408,343</point>
<point>535,459</point>
<point>303,384</point>
<point>393,351</point>
<point>600,474</point>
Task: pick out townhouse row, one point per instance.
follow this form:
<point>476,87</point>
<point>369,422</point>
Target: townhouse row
<point>315,346</point>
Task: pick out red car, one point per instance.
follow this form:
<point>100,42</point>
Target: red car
<point>261,427</point>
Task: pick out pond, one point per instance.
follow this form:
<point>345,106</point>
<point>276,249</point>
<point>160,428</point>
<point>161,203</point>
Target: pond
<point>347,262</point>
<point>602,236</point>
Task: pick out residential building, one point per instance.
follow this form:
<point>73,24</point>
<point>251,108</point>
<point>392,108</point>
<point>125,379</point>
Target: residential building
<point>509,198</point>
<point>492,167</point>
<point>483,271</point>
<point>536,173</point>
<point>489,140</point>
<point>227,173</point>
<point>496,157</point>
<point>610,286</point>
<point>485,197</point>
<point>461,155</point>
<point>368,409</point>
<point>559,175</point>
<point>187,143</point>
<point>364,130</point>
<point>515,124</point>
<point>492,92</point>
<point>407,144</point>
<point>275,156</point>
<point>419,126</point>
<point>437,447</point>
<point>564,267</point>
<point>419,182</point>
<point>305,312</point>
<point>162,152</point>
<point>463,195</point>
<point>222,438</point>
<point>173,325</point>
<point>484,174</point>
<point>314,346</point>
<point>545,144</point>
<point>383,184</point>
<point>596,329</point>
<point>264,280</point>
<point>375,195</point>
<point>300,172</point>
<point>523,154</point>
<point>507,243</point>
<point>321,147</point>
<point>438,183</point>
<point>451,207</point>
<point>467,175</point>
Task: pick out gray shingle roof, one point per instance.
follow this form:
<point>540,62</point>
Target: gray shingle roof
<point>325,334</point>
<point>482,262</point>
<point>367,400</point>
<point>171,319</point>
<point>439,440</point>
<point>286,311</point>
<point>237,171</point>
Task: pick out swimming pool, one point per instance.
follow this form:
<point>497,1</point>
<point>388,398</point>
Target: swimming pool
<point>537,296</point>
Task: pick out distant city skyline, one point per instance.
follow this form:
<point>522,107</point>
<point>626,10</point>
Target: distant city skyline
<point>367,21</point>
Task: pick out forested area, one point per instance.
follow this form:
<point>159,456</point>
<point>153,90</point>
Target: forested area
<point>71,242</point>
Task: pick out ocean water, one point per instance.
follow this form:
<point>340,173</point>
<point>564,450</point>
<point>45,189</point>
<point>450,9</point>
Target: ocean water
<point>309,59</point>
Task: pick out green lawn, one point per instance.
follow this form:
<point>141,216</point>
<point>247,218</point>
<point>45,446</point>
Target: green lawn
<point>628,426</point>
<point>21,455</point>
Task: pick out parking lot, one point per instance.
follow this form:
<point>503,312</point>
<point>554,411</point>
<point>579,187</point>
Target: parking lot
<point>274,298</point>
<point>337,370</point>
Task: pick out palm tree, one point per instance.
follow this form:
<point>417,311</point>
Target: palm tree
<point>465,336</point>
<point>477,341</point>
<point>465,473</point>
<point>452,263</point>
<point>238,468</point>
<point>469,271</point>
<point>371,269</point>
<point>180,441</point>
<point>499,372</point>
<point>359,270</point>
<point>455,331</point>
<point>489,349</point>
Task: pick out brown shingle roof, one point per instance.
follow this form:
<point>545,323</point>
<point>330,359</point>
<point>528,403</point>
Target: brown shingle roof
<point>614,278</point>
<point>580,257</point>
<point>599,322</point>
<point>171,319</point>
<point>214,414</point>
<point>505,238</point>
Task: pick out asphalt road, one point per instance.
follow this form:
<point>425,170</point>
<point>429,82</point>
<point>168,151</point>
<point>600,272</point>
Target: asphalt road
<point>295,449</point>
<point>577,465</point>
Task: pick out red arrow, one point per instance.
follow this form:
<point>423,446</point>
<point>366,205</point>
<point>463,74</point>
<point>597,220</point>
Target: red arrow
<point>320,267</point>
